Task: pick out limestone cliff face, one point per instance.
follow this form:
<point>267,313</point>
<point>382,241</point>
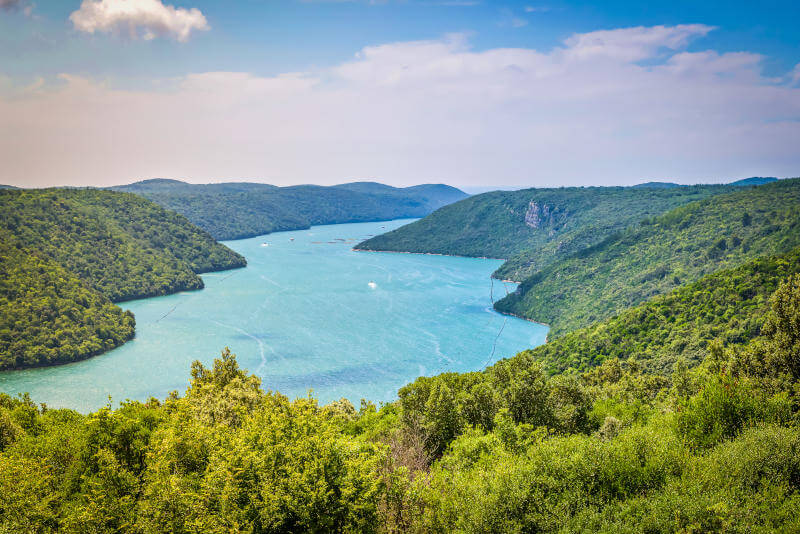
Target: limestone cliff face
<point>536,214</point>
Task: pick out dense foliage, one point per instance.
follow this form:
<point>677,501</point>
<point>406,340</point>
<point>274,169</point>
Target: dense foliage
<point>225,458</point>
<point>660,254</point>
<point>534,227</point>
<point>67,253</point>
<point>726,307</point>
<point>239,210</point>
<point>119,243</point>
<point>48,316</point>
<point>510,449</point>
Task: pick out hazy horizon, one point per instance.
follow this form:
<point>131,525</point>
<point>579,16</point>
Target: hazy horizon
<point>526,94</point>
<point>470,189</point>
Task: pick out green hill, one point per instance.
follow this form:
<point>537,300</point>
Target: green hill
<point>121,244</point>
<point>48,316</point>
<point>166,185</point>
<point>68,253</point>
<point>240,210</point>
<point>534,227</point>
<point>727,306</point>
<point>660,254</point>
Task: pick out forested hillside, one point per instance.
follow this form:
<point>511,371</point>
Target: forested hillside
<point>660,254</point>
<point>68,253</point>
<point>239,210</point>
<point>48,315</point>
<point>726,307</point>
<point>534,227</point>
<point>121,244</point>
<point>510,449</point>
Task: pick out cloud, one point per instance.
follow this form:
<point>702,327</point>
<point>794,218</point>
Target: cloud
<point>633,44</point>
<point>146,18</point>
<point>612,107</point>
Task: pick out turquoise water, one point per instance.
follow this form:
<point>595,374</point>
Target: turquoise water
<point>306,313</point>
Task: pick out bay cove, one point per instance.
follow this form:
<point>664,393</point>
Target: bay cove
<point>307,313</point>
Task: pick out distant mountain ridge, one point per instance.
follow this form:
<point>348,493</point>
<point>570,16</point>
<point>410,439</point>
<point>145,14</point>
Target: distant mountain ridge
<point>236,210</point>
<point>665,185</point>
<point>754,180</point>
<point>168,185</point>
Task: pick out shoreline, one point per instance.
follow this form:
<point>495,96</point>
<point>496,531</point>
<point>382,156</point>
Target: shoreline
<point>119,304</point>
<point>546,340</point>
<point>70,362</point>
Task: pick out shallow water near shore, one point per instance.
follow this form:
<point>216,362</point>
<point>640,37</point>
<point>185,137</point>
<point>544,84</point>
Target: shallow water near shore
<point>307,312</point>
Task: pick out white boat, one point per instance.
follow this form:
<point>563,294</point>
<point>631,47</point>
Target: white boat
<point>372,285</point>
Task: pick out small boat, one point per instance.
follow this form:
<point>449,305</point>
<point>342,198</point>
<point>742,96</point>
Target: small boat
<point>264,244</point>
<point>372,285</point>
<point>291,239</point>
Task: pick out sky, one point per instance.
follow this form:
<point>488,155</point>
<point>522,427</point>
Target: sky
<point>466,92</point>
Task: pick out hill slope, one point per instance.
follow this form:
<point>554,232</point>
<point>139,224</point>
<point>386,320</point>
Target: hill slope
<point>66,254</point>
<point>728,306</point>
<point>661,254</point>
<point>240,210</point>
<point>534,227</point>
<point>48,316</point>
<point>121,244</point>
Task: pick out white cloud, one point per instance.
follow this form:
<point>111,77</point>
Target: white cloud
<point>145,18</point>
<point>633,44</point>
<point>418,111</point>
